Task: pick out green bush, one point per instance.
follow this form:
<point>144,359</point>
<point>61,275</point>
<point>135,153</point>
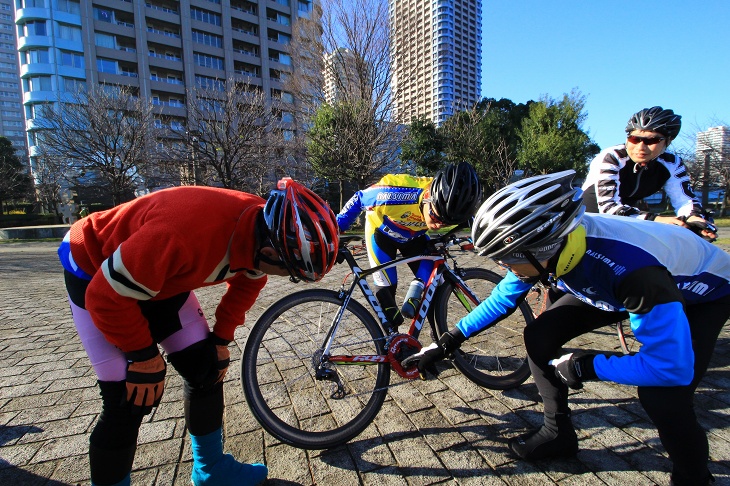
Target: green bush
<point>16,220</point>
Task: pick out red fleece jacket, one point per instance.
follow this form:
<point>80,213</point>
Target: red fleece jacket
<point>163,244</point>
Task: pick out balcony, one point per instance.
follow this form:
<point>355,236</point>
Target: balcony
<point>166,33</point>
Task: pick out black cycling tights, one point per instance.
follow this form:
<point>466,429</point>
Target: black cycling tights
<point>670,408</point>
<point>114,439</point>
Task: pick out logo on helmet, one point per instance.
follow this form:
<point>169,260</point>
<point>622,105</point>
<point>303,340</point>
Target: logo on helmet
<point>510,239</point>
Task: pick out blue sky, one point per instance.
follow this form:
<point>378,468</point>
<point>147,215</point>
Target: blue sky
<point>623,56</point>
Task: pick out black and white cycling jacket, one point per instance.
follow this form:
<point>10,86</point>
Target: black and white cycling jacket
<point>615,184</point>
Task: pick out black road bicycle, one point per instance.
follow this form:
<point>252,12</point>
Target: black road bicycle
<point>317,364</point>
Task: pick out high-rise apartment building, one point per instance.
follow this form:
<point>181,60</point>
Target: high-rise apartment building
<point>160,47</point>
<point>12,121</point>
<point>341,76</point>
<point>436,57</point>
<point>714,143</point>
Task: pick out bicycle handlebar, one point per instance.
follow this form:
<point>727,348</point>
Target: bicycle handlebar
<point>697,227</point>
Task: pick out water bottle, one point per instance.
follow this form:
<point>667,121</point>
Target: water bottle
<point>413,298</point>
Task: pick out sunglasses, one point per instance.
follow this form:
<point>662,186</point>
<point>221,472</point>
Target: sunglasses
<point>647,140</point>
<point>434,217</point>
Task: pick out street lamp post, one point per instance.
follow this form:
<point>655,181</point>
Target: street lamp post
<point>193,170</point>
<point>706,178</point>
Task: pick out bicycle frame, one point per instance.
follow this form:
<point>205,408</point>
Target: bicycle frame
<point>440,272</point>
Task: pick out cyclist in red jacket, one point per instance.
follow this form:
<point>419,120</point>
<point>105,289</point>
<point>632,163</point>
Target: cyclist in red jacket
<point>130,273</point>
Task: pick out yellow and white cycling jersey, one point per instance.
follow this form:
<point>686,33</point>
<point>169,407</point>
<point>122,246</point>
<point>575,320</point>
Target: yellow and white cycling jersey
<point>392,206</point>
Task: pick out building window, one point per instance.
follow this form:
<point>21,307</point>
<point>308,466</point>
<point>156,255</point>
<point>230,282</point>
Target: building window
<point>35,27</point>
<point>72,59</point>
<point>69,32</point>
<point>35,56</point>
<point>69,6</point>
<point>207,39</point>
<point>103,14</point>
<point>34,3</point>
<point>206,82</point>
<point>39,83</point>
<point>72,85</point>
<point>205,16</point>
<point>106,66</point>
<point>105,40</point>
<point>205,60</point>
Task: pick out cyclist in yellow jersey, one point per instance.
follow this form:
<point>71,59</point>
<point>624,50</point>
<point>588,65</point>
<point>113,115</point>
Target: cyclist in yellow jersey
<point>399,210</point>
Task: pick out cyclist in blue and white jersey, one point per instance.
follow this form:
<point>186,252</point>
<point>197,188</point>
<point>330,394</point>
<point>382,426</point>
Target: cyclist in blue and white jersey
<point>621,176</point>
<point>676,296</point>
<point>399,210</point>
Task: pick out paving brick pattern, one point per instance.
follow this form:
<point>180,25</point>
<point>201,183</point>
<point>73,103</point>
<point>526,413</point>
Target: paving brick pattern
<point>444,431</point>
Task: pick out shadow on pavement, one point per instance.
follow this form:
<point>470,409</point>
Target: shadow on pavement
<point>12,474</point>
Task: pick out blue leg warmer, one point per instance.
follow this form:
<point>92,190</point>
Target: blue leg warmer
<point>213,468</point>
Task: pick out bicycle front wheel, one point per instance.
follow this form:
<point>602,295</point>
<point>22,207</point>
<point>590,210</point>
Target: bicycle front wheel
<point>496,357</point>
<point>279,367</point>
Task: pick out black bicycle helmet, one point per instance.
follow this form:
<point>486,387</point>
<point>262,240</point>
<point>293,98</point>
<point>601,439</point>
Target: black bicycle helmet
<point>533,215</point>
<point>655,119</point>
<point>456,193</point>
<point>303,230</point>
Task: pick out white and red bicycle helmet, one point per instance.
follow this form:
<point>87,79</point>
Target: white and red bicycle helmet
<point>303,230</point>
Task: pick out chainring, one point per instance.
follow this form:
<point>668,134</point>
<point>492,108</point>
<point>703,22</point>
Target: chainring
<point>400,347</point>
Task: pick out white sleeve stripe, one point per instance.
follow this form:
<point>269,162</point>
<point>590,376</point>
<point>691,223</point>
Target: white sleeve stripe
<point>122,281</point>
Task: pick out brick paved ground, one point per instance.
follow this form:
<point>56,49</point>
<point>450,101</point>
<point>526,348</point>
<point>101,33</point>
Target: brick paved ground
<point>445,431</point>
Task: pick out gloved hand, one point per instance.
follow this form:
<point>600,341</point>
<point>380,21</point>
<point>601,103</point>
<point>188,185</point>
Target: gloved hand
<point>574,368</point>
<point>427,357</point>
<point>145,379</point>
<point>703,226</point>
<point>223,356</point>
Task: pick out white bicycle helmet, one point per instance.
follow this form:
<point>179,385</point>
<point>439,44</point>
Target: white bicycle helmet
<point>532,215</point>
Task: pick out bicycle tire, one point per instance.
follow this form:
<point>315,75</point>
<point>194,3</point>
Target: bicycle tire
<point>496,357</point>
<point>278,375</point>
<point>626,338</point>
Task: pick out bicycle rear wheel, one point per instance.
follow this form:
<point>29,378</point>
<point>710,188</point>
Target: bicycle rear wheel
<point>279,364</point>
<point>496,357</point>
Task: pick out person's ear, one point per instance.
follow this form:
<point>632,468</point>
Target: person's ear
<point>269,252</point>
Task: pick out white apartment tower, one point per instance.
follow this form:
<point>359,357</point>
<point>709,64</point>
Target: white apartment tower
<point>714,142</point>
<point>341,77</point>
<point>436,57</point>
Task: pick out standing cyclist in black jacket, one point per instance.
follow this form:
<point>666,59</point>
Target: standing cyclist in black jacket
<point>620,176</point>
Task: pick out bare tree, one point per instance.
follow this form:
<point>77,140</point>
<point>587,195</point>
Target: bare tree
<point>104,138</point>
<point>49,178</point>
<point>341,57</point>
<point>708,159</point>
<point>233,138</point>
